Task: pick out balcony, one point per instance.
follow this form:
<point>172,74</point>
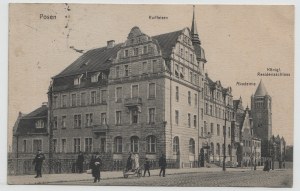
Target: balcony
<point>103,128</point>
<point>130,102</point>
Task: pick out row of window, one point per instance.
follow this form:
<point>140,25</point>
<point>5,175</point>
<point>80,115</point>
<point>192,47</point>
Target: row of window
<point>189,97</point>
<point>94,78</point>
<point>82,99</point>
<point>176,146</point>
<point>89,119</point>
<point>247,143</point>
<point>189,118</point>
<point>218,112</point>
<point>218,149</point>
<point>205,132</point>
<point>180,73</point>
<point>125,70</point>
<point>137,50</point>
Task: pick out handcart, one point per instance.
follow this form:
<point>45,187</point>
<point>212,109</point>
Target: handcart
<point>137,172</point>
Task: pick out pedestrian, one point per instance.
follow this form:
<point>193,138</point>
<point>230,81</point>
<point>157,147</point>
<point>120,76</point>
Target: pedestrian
<point>38,162</point>
<point>96,163</point>
<point>129,162</point>
<point>266,166</point>
<point>146,167</point>
<point>162,164</point>
<point>136,161</point>
<point>79,162</point>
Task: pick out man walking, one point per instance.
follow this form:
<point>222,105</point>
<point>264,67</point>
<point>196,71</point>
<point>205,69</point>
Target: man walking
<point>38,162</point>
<point>162,164</point>
<point>80,160</point>
<point>146,167</point>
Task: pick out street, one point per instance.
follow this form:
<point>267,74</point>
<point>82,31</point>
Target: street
<point>258,178</point>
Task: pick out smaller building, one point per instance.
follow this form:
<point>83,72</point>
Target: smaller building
<point>251,144</point>
<point>30,133</point>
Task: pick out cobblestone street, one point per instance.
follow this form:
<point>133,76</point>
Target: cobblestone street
<point>259,178</point>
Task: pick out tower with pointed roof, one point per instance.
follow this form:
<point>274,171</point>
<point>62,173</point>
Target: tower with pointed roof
<point>261,109</point>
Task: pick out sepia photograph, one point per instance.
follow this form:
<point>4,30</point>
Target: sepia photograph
<point>188,95</point>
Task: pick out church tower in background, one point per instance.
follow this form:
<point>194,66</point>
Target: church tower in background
<point>261,110</point>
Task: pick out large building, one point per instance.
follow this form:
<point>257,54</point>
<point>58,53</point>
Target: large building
<point>150,95</point>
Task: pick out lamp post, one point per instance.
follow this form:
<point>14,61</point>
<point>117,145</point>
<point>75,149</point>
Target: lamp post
<point>254,157</point>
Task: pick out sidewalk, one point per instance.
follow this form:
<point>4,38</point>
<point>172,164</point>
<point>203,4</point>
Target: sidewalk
<point>56,178</point>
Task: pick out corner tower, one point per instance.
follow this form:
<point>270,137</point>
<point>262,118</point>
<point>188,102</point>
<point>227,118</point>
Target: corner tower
<point>261,106</point>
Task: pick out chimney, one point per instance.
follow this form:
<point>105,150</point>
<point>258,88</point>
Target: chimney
<point>44,104</point>
<point>110,44</point>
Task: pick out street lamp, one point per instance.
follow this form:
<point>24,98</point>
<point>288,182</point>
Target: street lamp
<point>254,157</point>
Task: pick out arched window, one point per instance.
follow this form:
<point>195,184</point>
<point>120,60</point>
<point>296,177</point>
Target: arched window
<point>151,144</point>
<point>218,149</point>
<point>192,146</point>
<point>176,145</point>
<point>212,149</point>
<point>134,144</point>
<point>118,145</point>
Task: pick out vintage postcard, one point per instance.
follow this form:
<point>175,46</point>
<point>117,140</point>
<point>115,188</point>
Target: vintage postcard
<point>151,95</point>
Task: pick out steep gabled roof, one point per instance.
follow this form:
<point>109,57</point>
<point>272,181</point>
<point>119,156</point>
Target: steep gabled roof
<point>167,41</point>
<point>93,60</point>
<point>26,124</point>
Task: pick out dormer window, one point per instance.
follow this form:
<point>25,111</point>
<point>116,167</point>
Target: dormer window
<point>39,124</point>
<point>77,80</point>
<point>95,77</point>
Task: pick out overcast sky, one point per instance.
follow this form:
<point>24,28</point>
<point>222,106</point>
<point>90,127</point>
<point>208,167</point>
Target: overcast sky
<point>239,41</point>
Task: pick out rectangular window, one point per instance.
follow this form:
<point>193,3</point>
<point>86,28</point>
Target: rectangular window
<point>63,122</point>
<point>93,97</point>
<point>145,67</point>
<point>55,102</point>
<point>118,144</point>
<point>88,142</point>
<point>154,65</point>
<point>210,110</point>
<point>76,145</point>
<point>229,132</point>
<point>103,96</point>
<point>218,129</point>
<point>118,117</point>
<point>83,99</point>
<point>55,122</point>
<point>117,71</point>
<point>135,91</point>
<point>177,93</point>
<point>191,76</point>
<point>206,108</point>
<point>126,53</point>
<point>189,119</point>
<point>103,145</point>
<point>134,116</point>
<point>126,70</point>
<point>24,146</point>
<point>119,94</point>
<point>37,145</point>
<point>55,146</point>
<point>189,98</point>
<point>202,132</point>
<point>103,119</point>
<point>77,121</point>
<point>205,127</point>
<point>196,100</point>
<point>152,115</point>
<point>176,117</point>
<point>201,113</point>
<point>195,121</point>
<point>145,50</point>
<point>135,51</point>
<point>151,91</point>
<point>212,128</point>
<point>73,100</point>
<point>95,77</point>
<point>63,145</point>
<point>64,101</point>
<point>88,119</point>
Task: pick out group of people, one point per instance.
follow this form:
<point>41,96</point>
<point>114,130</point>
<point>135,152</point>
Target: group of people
<point>96,163</point>
<point>133,164</point>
